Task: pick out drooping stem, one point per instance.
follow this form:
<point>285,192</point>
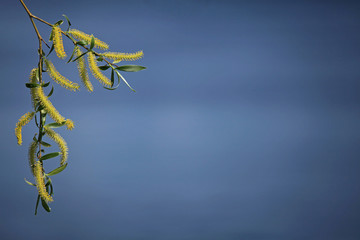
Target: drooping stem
<point>40,52</point>
<point>65,33</point>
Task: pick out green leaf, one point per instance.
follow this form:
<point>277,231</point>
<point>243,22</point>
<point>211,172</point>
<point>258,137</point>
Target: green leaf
<point>119,75</point>
<point>58,23</point>
<point>112,87</point>
<point>45,144</point>
<point>37,204</point>
<point>51,35</point>
<point>32,85</point>
<point>81,43</point>
<point>51,49</point>
<point>45,84</point>
<point>112,77</point>
<point>80,56</point>
<point>103,68</point>
<point>45,205</point>
<point>51,91</point>
<point>57,170</point>
<point>72,55</point>
<point>55,125</point>
<point>51,189</point>
<point>31,184</point>
<point>99,59</point>
<point>92,43</point>
<point>131,68</point>
<point>68,20</point>
<point>50,155</point>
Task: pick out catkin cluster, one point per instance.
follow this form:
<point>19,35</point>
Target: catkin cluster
<point>44,107</point>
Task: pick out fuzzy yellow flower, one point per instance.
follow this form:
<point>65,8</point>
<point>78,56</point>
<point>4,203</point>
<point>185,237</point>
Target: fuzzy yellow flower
<point>96,71</point>
<point>81,65</point>
<point>58,42</point>
<point>60,142</point>
<point>69,124</point>
<point>25,119</point>
<point>123,56</point>
<point>58,78</point>
<point>86,37</point>
<point>33,90</point>
<point>40,183</point>
<point>32,152</point>
<point>48,106</point>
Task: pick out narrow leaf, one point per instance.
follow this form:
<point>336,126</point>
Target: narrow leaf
<point>80,56</point>
<point>82,43</point>
<point>51,35</point>
<point>92,43</point>
<point>57,170</point>
<point>112,77</point>
<point>59,23</point>
<point>51,49</point>
<point>131,68</point>
<point>37,204</point>
<point>45,84</point>
<point>124,80</point>
<point>105,67</point>
<point>113,88</point>
<point>50,155</point>
<point>31,184</point>
<point>51,91</point>
<point>72,55</point>
<point>45,205</point>
<point>67,19</point>
<point>55,125</point>
<point>32,85</point>
<point>45,144</point>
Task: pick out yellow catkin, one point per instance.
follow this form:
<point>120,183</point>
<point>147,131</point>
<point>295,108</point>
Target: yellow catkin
<point>69,124</point>
<point>86,37</point>
<point>58,42</point>
<point>123,56</point>
<point>58,78</point>
<point>33,90</point>
<point>84,76</point>
<point>40,183</point>
<point>25,119</point>
<point>60,142</point>
<point>32,152</point>
<point>48,106</point>
<point>96,71</point>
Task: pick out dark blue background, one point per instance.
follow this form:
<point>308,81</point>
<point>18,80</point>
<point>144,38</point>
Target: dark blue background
<point>246,124</point>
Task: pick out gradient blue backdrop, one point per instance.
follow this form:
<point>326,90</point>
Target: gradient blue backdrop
<point>246,124</point>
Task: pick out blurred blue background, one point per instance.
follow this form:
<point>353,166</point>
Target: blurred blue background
<point>246,124</point>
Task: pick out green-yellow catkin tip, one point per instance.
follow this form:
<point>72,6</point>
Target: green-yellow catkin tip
<point>25,119</point>
<point>69,124</point>
<point>86,37</point>
<point>58,78</point>
<point>58,42</point>
<point>60,142</point>
<point>40,183</point>
<point>96,71</point>
<point>32,156</point>
<point>81,65</point>
<point>123,56</point>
